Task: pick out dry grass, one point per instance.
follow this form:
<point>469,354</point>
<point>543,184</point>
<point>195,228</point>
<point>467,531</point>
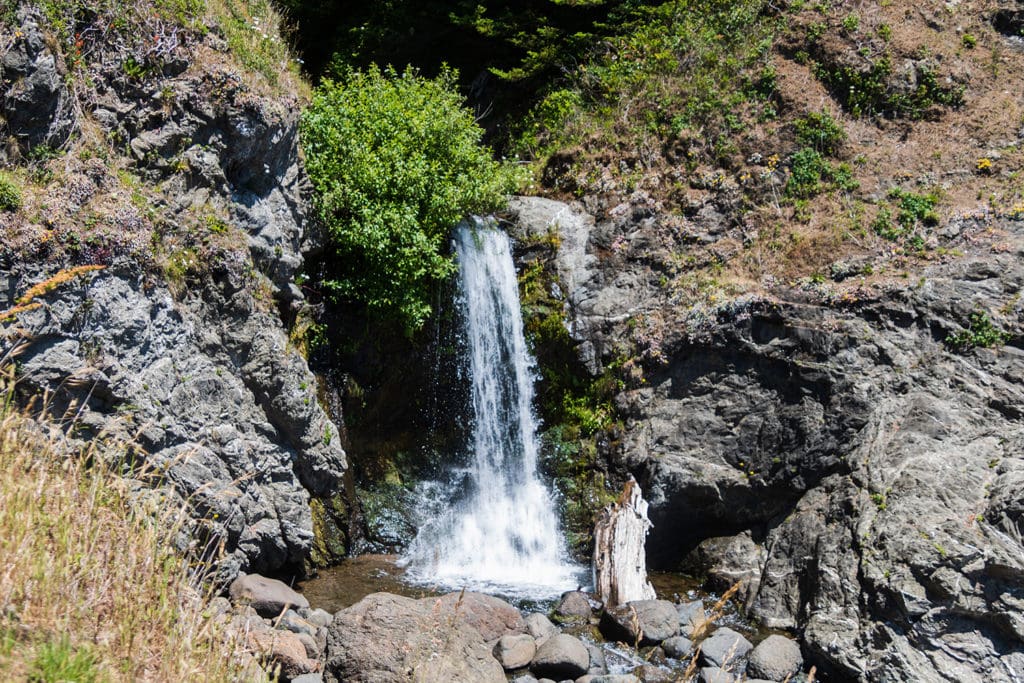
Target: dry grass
<point>90,589</point>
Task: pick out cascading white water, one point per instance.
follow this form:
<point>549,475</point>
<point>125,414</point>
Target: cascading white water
<point>505,536</point>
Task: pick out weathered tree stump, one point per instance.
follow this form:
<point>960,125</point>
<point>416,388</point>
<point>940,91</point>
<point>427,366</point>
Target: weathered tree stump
<point>620,563</point>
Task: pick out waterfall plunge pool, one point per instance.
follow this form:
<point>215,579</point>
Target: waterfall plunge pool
<point>356,577</point>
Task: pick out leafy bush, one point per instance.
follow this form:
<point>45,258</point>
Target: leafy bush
<point>914,210</point>
<point>807,169</point>
<point>820,131</point>
<point>396,162</point>
<point>979,333</point>
<point>10,194</point>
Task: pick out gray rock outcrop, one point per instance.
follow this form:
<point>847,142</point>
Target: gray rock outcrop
<point>178,348</point>
<point>870,469</point>
<point>36,107</point>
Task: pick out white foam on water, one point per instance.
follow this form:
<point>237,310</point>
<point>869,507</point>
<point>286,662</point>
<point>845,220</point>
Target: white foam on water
<point>504,537</point>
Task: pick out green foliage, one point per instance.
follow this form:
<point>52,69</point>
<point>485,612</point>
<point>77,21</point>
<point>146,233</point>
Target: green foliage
<point>10,194</point>
<point>869,93</point>
<point>969,41</point>
<point>667,70</point>
<point>396,162</point>
<point>550,115</point>
<point>821,132</point>
<point>576,408</point>
<point>883,225</point>
<point>914,211</point>
<point>252,34</point>
<point>807,171</point>
<point>58,661</point>
<point>980,332</point>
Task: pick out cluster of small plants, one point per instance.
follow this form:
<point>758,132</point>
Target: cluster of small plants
<point>980,333</point>
<point>810,173</point>
<point>914,213</point>
<point>10,194</point>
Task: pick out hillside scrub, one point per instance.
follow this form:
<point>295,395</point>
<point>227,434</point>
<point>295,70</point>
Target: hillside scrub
<point>92,589</point>
<point>396,162</point>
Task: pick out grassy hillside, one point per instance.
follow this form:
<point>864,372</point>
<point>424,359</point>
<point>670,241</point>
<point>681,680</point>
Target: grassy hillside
<point>91,588</point>
<point>821,131</point>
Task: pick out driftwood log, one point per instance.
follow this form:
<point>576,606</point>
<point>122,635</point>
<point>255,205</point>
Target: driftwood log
<point>620,563</point>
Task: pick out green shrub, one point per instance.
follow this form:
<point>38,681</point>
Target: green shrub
<point>807,169</point>
<point>915,209</point>
<point>869,93</point>
<point>979,333</point>
<point>10,194</point>
<point>820,131</point>
<point>396,162</point>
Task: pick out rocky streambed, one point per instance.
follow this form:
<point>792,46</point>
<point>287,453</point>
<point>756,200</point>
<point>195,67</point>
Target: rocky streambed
<point>468,636</point>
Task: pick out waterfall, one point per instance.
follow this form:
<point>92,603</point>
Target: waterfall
<point>504,535</point>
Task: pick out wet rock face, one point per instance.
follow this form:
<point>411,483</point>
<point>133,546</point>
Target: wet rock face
<point>861,477</point>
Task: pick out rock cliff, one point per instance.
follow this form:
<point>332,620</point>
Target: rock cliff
<point>175,169</point>
<point>830,444</point>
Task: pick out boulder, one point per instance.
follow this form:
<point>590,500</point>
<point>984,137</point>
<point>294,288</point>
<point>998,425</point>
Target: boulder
<point>540,627</point>
<point>492,617</point>
<point>309,678</point>
<point>384,637</point>
<point>691,617</point>
<point>285,649</point>
<point>269,597</point>
<point>319,617</point>
<point>714,674</point>
<point>598,664</point>
<point>677,647</point>
<point>313,649</point>
<point>515,651</point>
<point>724,646</point>
<point>650,673</point>
<point>291,621</point>
<point>574,606</point>
<point>609,678</point>
<point>646,621</point>
<point>561,656</point>
<point>775,658</point>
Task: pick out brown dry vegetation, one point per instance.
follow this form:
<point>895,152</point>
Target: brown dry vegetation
<point>968,155</point>
<point>90,588</point>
